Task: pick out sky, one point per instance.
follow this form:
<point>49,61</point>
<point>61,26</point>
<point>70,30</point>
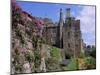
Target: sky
<point>86,14</point>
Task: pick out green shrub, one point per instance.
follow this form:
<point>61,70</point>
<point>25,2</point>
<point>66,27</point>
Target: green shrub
<point>93,53</point>
<point>55,53</point>
<point>53,64</point>
<point>90,62</point>
<point>73,65</point>
<point>87,63</point>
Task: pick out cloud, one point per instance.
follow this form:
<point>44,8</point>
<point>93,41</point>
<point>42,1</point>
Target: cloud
<point>87,19</point>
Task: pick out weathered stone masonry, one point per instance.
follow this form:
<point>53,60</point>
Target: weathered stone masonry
<point>66,35</point>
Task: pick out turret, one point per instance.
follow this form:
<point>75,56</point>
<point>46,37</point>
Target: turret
<point>69,19</point>
<point>60,29</point>
<point>61,17</point>
<point>68,14</point>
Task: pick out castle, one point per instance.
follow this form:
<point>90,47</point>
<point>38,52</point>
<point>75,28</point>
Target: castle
<point>66,35</point>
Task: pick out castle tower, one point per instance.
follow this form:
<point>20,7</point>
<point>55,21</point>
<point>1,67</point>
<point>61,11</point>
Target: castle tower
<point>61,16</point>
<point>72,40</point>
<point>68,35</point>
<point>78,39</point>
<point>61,23</point>
<point>60,26</point>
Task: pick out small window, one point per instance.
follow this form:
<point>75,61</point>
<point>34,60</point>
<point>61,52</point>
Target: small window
<point>53,30</point>
<point>76,35</point>
<point>76,45</point>
<point>68,34</point>
<point>69,22</point>
<point>68,45</point>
